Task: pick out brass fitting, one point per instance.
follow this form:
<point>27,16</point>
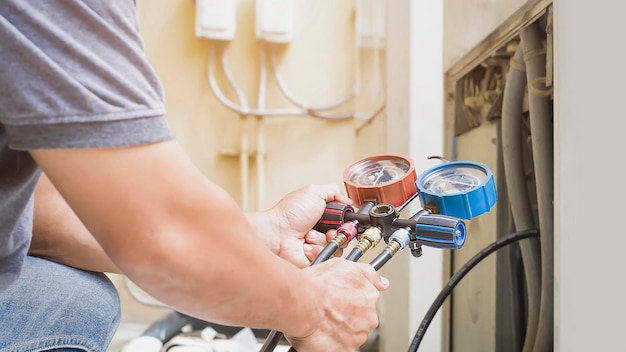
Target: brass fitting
<point>369,239</point>
<point>393,247</point>
<point>340,239</point>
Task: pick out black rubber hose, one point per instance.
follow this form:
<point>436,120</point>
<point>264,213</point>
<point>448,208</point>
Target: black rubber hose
<point>326,253</point>
<point>169,326</point>
<point>173,323</point>
<point>377,263</point>
<point>430,314</point>
<point>381,259</point>
<point>274,336</point>
<point>354,255</point>
<point>541,132</point>
<point>271,341</point>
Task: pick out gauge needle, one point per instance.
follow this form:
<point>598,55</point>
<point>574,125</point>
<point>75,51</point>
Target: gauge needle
<point>379,174</point>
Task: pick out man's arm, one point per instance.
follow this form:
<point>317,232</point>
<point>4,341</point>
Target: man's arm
<point>59,235</point>
<point>187,243</point>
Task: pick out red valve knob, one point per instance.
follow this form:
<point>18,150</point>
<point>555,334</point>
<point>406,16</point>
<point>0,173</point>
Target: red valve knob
<point>333,217</point>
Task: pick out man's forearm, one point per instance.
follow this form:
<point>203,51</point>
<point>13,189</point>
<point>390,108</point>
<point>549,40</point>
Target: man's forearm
<point>59,235</point>
<point>265,227</point>
<point>180,237</point>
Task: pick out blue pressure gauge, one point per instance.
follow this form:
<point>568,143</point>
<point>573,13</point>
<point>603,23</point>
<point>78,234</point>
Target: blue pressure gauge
<point>461,189</point>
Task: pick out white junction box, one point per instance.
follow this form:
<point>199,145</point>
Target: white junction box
<point>274,20</point>
<point>370,23</point>
<point>216,19</point>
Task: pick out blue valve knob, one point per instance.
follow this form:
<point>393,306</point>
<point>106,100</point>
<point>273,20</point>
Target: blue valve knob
<point>461,189</point>
<point>440,231</point>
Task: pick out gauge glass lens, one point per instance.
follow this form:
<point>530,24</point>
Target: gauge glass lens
<point>378,172</point>
<point>454,180</point>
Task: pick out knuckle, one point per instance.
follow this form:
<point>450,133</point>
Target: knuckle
<point>373,322</point>
<point>372,296</point>
<point>360,339</point>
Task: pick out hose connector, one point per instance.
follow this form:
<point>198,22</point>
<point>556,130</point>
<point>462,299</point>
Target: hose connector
<point>349,230</point>
<point>397,241</point>
<point>393,247</point>
<point>369,239</point>
<point>402,237</point>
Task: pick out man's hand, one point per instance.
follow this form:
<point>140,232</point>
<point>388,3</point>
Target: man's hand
<point>287,227</point>
<point>340,327</point>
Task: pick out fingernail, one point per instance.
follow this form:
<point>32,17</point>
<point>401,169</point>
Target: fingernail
<point>385,281</point>
<point>307,247</point>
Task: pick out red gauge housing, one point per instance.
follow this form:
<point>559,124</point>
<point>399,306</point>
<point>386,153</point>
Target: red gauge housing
<point>385,178</point>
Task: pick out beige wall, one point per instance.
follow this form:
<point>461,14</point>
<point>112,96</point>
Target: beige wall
<point>320,66</point>
<point>467,22</point>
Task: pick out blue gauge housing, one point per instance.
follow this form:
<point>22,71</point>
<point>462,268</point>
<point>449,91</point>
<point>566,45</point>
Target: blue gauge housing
<point>461,189</point>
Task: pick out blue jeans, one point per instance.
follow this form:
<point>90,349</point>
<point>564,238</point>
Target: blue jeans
<point>53,307</point>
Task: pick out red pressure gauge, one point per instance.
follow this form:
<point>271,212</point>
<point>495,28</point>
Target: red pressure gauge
<point>381,179</point>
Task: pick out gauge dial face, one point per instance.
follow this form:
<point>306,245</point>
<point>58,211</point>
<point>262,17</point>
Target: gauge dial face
<point>377,172</point>
<point>454,180</point>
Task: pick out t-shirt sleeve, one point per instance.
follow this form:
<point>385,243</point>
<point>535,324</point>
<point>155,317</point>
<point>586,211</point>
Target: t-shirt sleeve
<point>73,74</point>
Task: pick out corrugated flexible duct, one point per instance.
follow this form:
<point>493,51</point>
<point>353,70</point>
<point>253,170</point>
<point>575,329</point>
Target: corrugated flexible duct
<point>512,149</point>
<point>541,130</point>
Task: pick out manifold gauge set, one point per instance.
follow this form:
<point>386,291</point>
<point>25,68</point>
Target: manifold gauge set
<point>383,185</point>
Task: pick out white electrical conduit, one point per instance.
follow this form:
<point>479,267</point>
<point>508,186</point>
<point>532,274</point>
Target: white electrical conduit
<point>260,138</point>
<point>378,64</point>
<point>244,150</point>
<point>238,109</point>
<point>261,112</point>
<point>241,95</point>
<point>244,110</point>
<point>370,118</point>
<point>244,161</point>
<point>215,87</point>
<point>293,99</point>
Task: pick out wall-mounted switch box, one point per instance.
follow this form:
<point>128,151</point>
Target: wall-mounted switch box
<point>216,19</point>
<point>274,20</point>
<point>370,23</point>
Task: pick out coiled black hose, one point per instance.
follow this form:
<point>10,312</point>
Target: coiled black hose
<point>430,314</point>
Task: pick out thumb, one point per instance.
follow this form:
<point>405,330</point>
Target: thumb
<point>381,283</point>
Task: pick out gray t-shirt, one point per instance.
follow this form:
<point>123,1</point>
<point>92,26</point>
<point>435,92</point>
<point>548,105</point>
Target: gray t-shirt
<point>72,75</point>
